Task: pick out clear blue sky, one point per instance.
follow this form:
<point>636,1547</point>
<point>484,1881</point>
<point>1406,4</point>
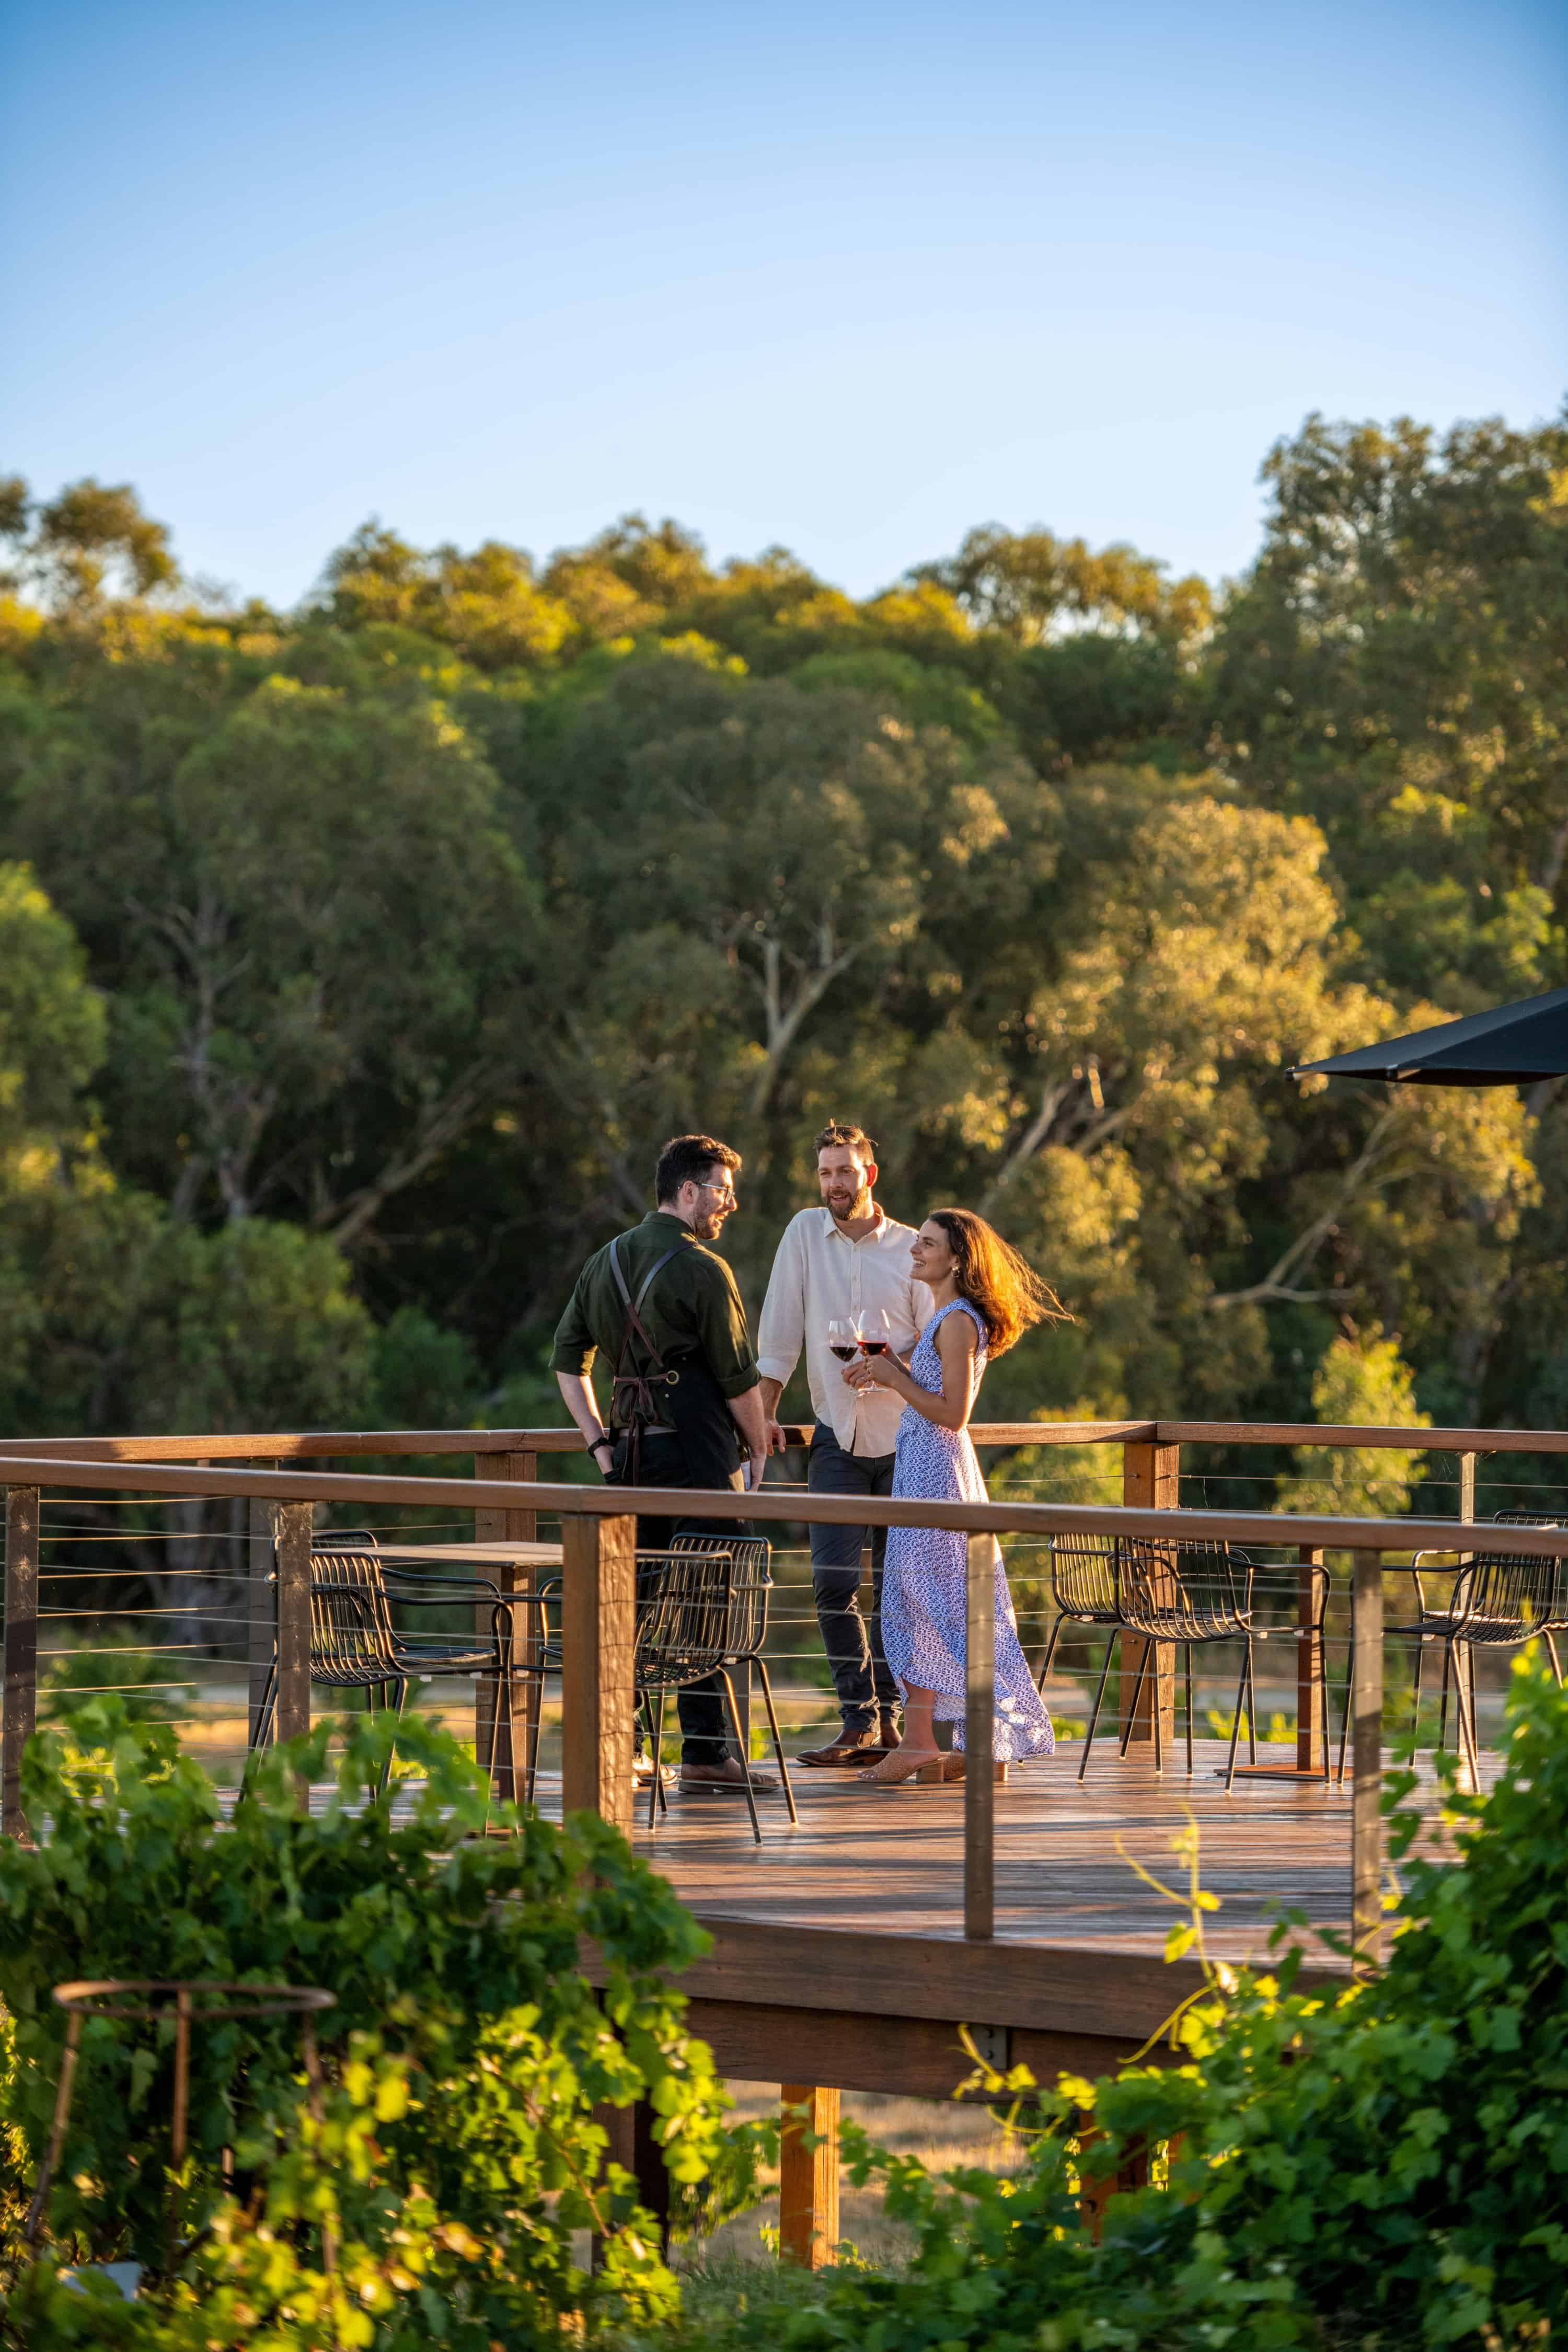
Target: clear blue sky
<point>852,278</point>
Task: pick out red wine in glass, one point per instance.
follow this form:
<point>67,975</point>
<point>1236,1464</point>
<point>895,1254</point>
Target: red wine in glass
<point>875,1331</point>
<point>841,1340</point>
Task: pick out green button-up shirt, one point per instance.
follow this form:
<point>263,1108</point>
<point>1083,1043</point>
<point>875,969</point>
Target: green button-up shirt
<point>693,1308</point>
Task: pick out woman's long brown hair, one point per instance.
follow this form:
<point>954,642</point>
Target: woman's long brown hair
<point>1006,1293</point>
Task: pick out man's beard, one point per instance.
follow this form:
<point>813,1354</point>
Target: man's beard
<point>846,1212</point>
<point>709,1227</point>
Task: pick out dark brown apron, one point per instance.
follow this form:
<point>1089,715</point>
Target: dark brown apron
<point>679,1397</point>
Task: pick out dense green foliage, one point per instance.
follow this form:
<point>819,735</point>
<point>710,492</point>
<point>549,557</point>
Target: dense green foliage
<point>1384,2167</point>
<point>455,2151</point>
<point>356,959</point>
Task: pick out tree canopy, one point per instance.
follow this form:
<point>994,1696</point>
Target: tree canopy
<point>355,960</point>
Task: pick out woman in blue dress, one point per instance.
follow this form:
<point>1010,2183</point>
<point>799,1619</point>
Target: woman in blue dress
<point>986,1297</point>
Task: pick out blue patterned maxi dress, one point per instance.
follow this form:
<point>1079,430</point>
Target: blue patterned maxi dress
<point>924,1581</point>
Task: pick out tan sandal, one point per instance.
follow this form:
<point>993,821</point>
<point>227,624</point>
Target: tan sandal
<point>901,1765</point>
<point>955,1767</point>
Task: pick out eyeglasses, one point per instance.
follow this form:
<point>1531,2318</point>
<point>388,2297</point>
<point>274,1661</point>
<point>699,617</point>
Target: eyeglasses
<point>725,1190</point>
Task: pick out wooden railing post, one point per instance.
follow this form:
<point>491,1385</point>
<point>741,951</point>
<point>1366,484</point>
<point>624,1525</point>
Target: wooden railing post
<point>292,1540</point>
<point>979,1740</point>
<point>1151,1481</point>
<point>808,2175</point>
<point>1366,1814</point>
<point>21,1650</point>
<point>508,1752</point>
<point>1463,1655</point>
<point>598,1631</point>
<point>262,1596</point>
<point>1311,1727</point>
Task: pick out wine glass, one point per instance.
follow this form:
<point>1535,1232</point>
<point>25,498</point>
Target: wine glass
<point>841,1338</point>
<point>876,1332</point>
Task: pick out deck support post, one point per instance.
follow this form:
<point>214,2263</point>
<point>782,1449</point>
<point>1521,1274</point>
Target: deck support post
<point>508,1752</point>
<point>808,2175</point>
<point>295,1524</point>
<point>619,2128</point>
<point>1151,1481</point>
<point>261,1603</point>
<point>598,1633</point>
<point>1366,1814</point>
<point>1096,2191</point>
<point>979,1741</point>
<point>22,1504</point>
<point>1311,1664</point>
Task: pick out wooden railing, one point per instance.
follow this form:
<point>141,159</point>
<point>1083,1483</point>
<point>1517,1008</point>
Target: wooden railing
<point>1151,1473</point>
<point>599,1537</point>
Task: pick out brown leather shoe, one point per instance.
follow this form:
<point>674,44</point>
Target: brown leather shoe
<point>849,1751</point>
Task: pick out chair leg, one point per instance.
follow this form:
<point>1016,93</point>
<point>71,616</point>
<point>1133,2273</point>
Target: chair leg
<point>1242,1681</point>
<point>741,1751</point>
<point>1556,1662</point>
<point>1137,1693</point>
<point>263,1713</point>
<point>1156,1711</point>
<point>1416,1694</point>
<point>506,1711</point>
<point>530,1768</point>
<point>1043,1674</point>
<point>1251,1708</point>
<point>399,1703</point>
<point>1187,1655</point>
<point>1099,1698</point>
<point>656,1786</point>
<point>760,1666</point>
<point>1465,1707</point>
<point>1442,1708</point>
<point>1345,1716</point>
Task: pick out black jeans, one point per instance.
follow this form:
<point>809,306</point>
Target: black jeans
<point>861,1675</point>
<point>704,1738</point>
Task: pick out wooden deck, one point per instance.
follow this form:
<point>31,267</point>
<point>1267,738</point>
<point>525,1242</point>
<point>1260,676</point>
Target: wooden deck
<point>891,1860</point>
<point>843,1938</point>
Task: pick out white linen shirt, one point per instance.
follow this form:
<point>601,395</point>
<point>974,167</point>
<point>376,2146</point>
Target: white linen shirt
<point>820,1274</point>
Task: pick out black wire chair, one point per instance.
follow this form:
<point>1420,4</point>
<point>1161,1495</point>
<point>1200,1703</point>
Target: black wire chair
<point>751,1583</point>
<point>1189,1591</point>
<point>357,1644</point>
<point>684,1605</point>
<point>1183,1591</point>
<point>1497,1601</point>
<point>680,1641</point>
<point>1085,1586</point>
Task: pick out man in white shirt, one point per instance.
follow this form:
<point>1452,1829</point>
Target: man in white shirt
<point>836,1263</point>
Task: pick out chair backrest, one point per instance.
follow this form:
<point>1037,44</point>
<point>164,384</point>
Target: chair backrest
<point>1509,1597</point>
<point>1184,1589</point>
<point>1086,1578</point>
<point>682,1617</point>
<point>751,1581</point>
<point>350,1617</point>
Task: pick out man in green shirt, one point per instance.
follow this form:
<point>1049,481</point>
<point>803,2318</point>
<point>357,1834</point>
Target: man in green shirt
<point>686,1405</point>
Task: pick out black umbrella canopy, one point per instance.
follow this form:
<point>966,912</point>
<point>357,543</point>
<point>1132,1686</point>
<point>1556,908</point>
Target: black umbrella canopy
<point>1510,1047</point>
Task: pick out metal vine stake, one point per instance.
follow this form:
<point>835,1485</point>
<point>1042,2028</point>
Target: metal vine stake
<point>200,2001</point>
